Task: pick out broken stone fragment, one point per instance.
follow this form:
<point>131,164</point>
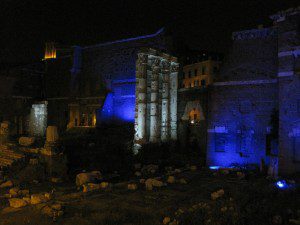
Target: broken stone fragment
<point>150,183</point>
<point>132,187</point>
<point>23,192</point>
<point>6,184</point>
<point>14,191</point>
<point>166,220</point>
<point>90,187</point>
<point>92,177</point>
<point>104,185</point>
<point>17,202</point>
<point>217,194</point>
<point>26,141</point>
<point>171,180</point>
<point>37,199</point>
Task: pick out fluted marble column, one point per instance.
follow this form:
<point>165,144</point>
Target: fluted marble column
<point>165,100</point>
<point>173,98</point>
<point>141,98</point>
<point>154,106</point>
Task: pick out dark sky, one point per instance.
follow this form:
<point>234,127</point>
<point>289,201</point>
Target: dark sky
<point>203,24</point>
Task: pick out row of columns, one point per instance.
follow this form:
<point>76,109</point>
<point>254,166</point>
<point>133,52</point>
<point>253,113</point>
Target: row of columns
<point>160,97</point>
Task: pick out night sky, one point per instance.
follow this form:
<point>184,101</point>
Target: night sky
<point>204,24</point>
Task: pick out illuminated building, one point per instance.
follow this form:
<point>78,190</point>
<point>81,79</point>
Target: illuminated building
<point>243,125</point>
<point>200,74</point>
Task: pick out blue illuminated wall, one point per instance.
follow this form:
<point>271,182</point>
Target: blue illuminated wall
<point>242,101</point>
<point>114,64</point>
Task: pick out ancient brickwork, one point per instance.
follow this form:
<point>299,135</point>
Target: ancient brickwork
<point>288,24</point>
<point>242,101</point>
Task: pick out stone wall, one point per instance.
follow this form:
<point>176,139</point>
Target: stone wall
<point>288,23</point>
<point>242,102</point>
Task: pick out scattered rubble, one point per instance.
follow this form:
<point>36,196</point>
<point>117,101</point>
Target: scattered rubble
<point>26,141</point>
<point>150,183</point>
<point>217,194</point>
<point>37,199</point>
<point>92,177</point>
<point>7,184</point>
<point>17,202</point>
<point>171,180</point>
<point>132,187</point>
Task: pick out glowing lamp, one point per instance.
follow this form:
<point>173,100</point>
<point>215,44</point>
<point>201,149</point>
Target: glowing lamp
<point>282,184</point>
<point>214,167</point>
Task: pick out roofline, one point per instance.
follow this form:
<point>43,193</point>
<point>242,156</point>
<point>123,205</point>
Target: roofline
<point>126,40</point>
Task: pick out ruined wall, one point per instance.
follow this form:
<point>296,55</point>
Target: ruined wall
<point>109,70</point>
<point>288,24</point>
<point>241,105</point>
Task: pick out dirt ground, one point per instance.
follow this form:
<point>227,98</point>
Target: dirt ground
<point>253,200</point>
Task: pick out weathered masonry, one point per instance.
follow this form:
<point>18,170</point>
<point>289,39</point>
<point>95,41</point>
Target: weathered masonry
<point>156,97</point>
<point>254,113</point>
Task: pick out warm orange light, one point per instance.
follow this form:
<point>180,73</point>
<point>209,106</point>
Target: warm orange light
<point>50,51</point>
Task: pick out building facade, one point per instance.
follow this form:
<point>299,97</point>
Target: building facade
<point>257,99</point>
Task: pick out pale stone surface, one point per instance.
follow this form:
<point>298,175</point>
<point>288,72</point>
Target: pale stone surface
<point>51,134</point>
<point>84,178</point>
<point>26,141</point>
<point>17,202</point>
<point>150,183</point>
<point>14,191</point>
<point>171,180</point>
<point>6,184</point>
<point>166,220</point>
<point>217,194</point>
<point>90,187</point>
<point>37,199</point>
<point>104,185</point>
<point>132,187</point>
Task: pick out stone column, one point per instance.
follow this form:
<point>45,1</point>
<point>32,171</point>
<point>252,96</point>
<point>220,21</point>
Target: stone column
<point>173,99</point>
<point>154,117</point>
<point>165,100</point>
<point>141,98</point>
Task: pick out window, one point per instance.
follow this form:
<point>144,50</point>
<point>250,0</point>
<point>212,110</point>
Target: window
<point>203,82</point>
<point>203,70</point>
<point>196,83</point>
<point>190,74</point>
<point>195,72</point>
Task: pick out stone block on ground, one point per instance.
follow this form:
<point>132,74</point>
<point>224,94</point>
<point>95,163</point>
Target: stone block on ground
<point>17,202</point>
<point>37,199</point>
<point>26,141</point>
<point>132,187</point>
<point>7,184</point>
<point>171,180</point>
<point>150,183</point>
<point>92,177</point>
<point>217,194</point>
